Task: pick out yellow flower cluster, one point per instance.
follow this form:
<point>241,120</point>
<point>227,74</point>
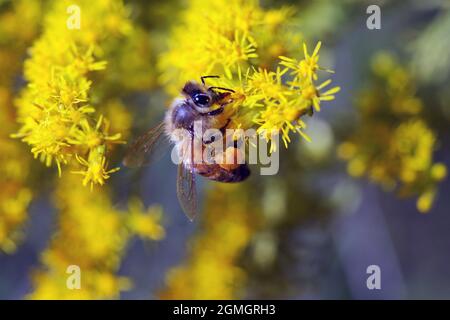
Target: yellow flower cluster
<point>393,146</point>
<point>244,42</point>
<point>58,111</point>
<point>93,236</point>
<point>212,270</point>
<point>63,115</point>
<point>15,196</point>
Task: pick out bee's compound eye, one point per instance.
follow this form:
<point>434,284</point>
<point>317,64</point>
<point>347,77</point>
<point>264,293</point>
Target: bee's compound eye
<point>200,99</point>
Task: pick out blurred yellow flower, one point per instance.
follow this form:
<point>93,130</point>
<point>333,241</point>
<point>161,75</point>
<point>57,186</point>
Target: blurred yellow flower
<point>211,270</point>
<point>393,146</point>
<point>145,225</point>
<point>15,193</point>
<point>92,235</point>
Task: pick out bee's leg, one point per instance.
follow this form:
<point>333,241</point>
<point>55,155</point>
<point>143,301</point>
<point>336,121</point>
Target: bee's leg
<point>225,126</point>
<point>211,140</point>
<point>216,111</point>
<point>205,77</point>
<point>191,131</point>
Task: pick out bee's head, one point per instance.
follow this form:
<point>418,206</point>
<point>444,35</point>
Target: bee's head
<point>201,98</point>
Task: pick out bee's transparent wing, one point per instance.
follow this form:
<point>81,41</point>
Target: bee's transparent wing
<point>147,148</point>
<point>187,191</point>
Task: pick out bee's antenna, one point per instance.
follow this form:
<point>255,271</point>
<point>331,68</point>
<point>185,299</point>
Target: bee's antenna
<point>221,88</point>
<point>205,77</point>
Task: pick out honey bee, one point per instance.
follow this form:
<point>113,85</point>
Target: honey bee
<point>197,102</point>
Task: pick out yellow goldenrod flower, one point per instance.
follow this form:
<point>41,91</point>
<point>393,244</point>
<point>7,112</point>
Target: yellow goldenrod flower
<point>307,67</point>
<point>54,110</point>
<point>273,104</point>
<point>96,172</point>
<point>92,137</point>
<point>235,39</point>
<point>59,113</point>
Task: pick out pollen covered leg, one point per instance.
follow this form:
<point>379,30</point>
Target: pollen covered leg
<point>230,159</point>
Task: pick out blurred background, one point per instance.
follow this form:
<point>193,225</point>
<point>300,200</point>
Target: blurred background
<point>369,189</point>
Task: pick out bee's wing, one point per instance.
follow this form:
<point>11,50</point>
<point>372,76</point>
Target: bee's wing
<point>147,148</point>
<point>187,191</point>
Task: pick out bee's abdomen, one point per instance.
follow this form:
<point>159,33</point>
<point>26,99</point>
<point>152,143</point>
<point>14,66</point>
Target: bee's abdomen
<point>217,173</point>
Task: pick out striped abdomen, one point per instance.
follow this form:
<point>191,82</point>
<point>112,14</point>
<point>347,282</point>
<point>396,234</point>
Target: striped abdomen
<point>217,173</point>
